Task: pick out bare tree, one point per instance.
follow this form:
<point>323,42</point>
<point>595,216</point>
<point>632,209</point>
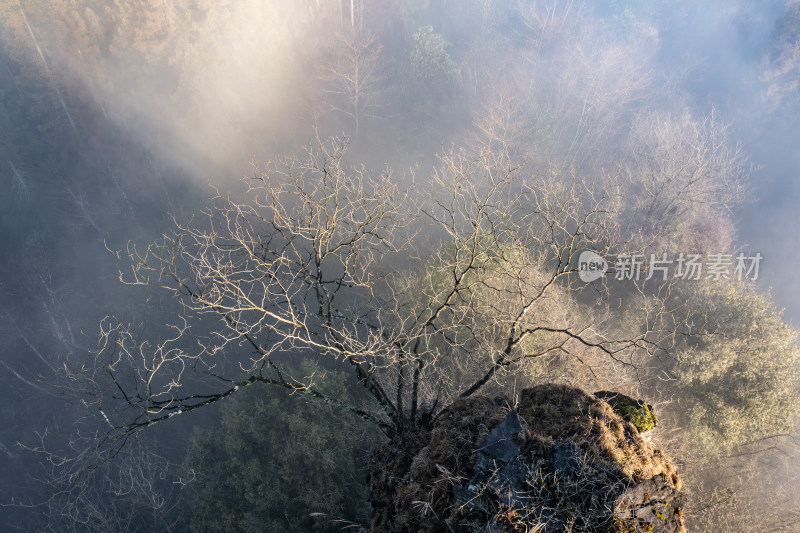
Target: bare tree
<point>427,297</point>
<point>141,491</point>
<point>684,175</point>
<point>353,72</point>
<point>756,480</point>
<point>503,120</point>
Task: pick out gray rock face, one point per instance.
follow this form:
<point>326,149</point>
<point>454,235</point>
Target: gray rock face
<point>502,481</point>
<point>497,467</point>
<point>567,458</point>
<point>500,445</point>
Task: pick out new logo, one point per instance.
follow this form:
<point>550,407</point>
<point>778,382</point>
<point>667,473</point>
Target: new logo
<point>591,266</point>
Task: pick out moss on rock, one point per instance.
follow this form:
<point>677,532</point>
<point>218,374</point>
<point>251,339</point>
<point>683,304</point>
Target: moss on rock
<point>637,412</point>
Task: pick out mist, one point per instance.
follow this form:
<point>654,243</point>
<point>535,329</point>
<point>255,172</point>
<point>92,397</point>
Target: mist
<point>120,119</point>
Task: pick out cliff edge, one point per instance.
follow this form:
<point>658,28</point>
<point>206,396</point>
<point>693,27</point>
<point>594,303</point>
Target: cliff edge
<point>560,460</point>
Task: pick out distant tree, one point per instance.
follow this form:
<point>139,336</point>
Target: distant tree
<point>353,72</point>
<point>683,173</point>
<point>430,68</point>
<point>550,23</point>
<point>757,480</point>
<point>781,65</point>
<point>736,371</point>
<point>504,119</point>
<point>733,393</point>
<point>576,98</point>
<point>272,461</point>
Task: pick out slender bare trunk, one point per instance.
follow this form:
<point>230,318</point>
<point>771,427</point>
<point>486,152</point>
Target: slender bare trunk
<point>47,68</point>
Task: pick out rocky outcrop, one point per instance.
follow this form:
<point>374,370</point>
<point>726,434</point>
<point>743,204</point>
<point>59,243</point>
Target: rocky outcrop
<point>561,460</point>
